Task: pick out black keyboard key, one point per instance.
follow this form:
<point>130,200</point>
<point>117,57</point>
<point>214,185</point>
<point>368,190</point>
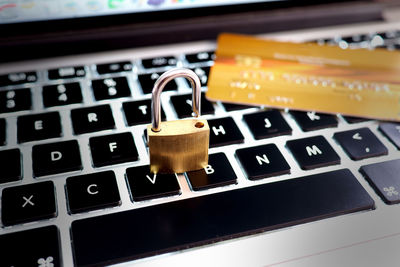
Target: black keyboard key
<point>360,144</point>
<point>313,152</point>
<point>391,131</point>
<point>67,73</point>
<point>183,105</point>
<point>147,82</point>
<point>2,132</point>
<point>62,94</point>
<point>201,57</point>
<point>233,107</point>
<point>351,119</point>
<point>38,127</point>
<point>111,88</point>
<point>159,62</point>
<point>384,178</point>
<point>114,67</point>
<point>27,203</point>
<point>18,78</point>
<point>361,38</point>
<point>139,112</point>
<point>12,159</point>
<point>113,149</point>
<point>223,132</point>
<point>310,121</point>
<point>392,34</point>
<point>218,172</point>
<point>35,247</point>
<point>145,185</point>
<point>56,158</point>
<point>262,161</point>
<point>92,119</point>
<point>347,39</point>
<point>183,224</point>
<point>92,191</point>
<point>267,124</point>
<point>15,100</point>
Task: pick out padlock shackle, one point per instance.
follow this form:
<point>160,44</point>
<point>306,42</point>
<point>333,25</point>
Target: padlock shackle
<point>159,86</point>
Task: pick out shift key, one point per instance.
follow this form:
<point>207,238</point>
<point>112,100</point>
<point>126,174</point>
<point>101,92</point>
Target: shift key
<point>186,223</point>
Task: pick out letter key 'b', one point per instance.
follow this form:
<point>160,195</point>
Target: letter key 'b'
<point>182,145</point>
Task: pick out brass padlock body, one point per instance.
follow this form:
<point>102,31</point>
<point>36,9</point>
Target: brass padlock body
<point>180,146</point>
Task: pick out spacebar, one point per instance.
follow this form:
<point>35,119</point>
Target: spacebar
<point>192,222</point>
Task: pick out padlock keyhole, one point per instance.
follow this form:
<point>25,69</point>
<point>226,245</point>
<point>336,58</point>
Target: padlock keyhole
<point>199,124</point>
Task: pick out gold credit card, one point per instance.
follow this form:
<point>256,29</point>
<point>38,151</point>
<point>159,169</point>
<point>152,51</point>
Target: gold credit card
<point>306,76</point>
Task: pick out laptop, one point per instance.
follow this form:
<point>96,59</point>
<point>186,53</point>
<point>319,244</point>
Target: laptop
<point>282,188</point>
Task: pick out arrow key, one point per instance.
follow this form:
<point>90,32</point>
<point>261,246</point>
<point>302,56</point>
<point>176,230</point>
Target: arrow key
<point>145,185</point>
<point>360,143</point>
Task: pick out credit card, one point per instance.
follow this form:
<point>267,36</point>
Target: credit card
<point>306,76</point>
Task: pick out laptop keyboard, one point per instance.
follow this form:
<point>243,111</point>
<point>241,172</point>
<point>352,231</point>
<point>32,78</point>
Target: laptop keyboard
<point>72,131</point>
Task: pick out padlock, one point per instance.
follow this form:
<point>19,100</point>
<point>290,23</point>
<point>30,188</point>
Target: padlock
<point>182,145</point>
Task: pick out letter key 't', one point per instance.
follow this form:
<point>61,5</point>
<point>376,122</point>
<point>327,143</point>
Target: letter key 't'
<point>182,145</point>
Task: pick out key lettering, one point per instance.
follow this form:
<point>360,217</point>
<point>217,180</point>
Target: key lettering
<point>143,108</point>
<point>154,76</point>
<point>66,72</point>
<point>312,116</point>
<point>357,136</point>
<point>15,77</point>
<point>267,123</point>
<point>209,169</point>
<point>10,94</point>
<point>10,103</point>
<point>55,155</point>
<point>112,146</point>
<point>92,191</point>
<point>112,91</point>
<point>61,88</point>
<point>92,117</point>
<point>62,97</point>
<point>312,151</point>
<point>202,56</point>
<point>219,130</point>
<point>109,82</point>
<point>152,180</point>
<point>28,201</point>
<point>159,61</point>
<point>38,125</point>
<point>114,67</point>
<point>262,159</point>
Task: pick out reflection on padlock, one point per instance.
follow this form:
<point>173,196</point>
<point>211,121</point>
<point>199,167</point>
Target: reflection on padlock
<point>182,145</point>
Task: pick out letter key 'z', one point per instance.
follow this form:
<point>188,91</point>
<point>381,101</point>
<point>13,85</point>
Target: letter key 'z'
<point>182,145</point>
